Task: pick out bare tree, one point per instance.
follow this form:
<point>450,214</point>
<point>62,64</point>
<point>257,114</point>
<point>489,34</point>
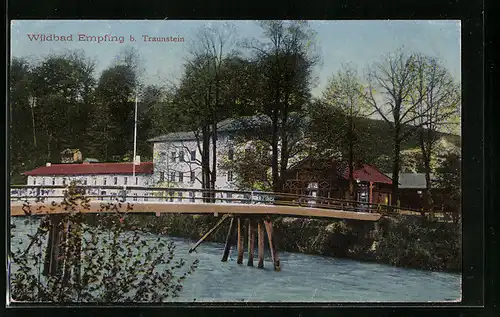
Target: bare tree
<point>204,92</point>
<point>392,82</point>
<point>437,100</point>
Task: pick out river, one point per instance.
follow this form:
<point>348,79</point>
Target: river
<point>304,278</point>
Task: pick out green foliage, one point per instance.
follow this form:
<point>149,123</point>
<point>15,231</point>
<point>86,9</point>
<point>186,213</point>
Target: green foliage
<point>100,263</point>
<point>417,243</point>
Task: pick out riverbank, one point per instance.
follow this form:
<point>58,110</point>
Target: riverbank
<point>403,241</point>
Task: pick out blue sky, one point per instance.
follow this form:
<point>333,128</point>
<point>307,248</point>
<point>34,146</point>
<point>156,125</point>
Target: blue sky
<point>355,42</point>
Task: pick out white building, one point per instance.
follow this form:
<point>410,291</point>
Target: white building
<point>177,161</point>
<point>90,174</point>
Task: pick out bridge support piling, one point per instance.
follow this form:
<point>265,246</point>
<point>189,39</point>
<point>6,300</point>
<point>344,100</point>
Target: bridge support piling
<point>260,233</point>
<point>240,242</point>
<point>208,233</point>
<point>251,242</point>
<point>274,255</point>
<point>229,238</point>
<point>51,264</point>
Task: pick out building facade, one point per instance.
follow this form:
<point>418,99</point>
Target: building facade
<point>94,175</point>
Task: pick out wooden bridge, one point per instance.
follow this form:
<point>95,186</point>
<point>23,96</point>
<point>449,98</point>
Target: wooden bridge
<point>256,208</point>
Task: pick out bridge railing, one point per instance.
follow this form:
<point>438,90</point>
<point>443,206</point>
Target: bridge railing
<point>138,194</point>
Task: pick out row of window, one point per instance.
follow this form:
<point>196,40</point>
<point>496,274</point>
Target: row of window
<point>174,157</point>
<point>94,180</point>
<point>192,176</point>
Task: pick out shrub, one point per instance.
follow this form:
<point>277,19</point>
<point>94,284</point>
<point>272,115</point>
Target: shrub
<point>93,266</point>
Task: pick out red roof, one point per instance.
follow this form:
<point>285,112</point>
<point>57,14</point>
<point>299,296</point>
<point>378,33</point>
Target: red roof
<point>368,173</point>
<point>92,169</point>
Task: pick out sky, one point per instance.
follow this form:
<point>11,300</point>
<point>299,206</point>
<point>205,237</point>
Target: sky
<point>358,43</point>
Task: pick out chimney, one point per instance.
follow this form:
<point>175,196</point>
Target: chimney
<point>137,160</point>
<point>48,164</point>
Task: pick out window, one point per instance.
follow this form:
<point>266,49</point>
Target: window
<point>193,155</point>
<point>179,194</point>
<point>171,196</point>
<point>229,196</point>
<point>193,178</point>
<point>115,180</point>
<point>34,181</point>
<point>172,157</point>
<point>172,176</point>
<point>125,180</point>
<point>135,196</point>
<point>181,156</point>
<point>230,154</point>
<point>43,180</point>
<point>104,181</point>
<point>85,182</point>
<point>137,180</point>
<point>181,177</point>
<point>64,181</point>
<point>191,195</point>
<point>95,181</point>
<point>162,176</point>
<point>53,181</point>
<point>230,176</point>
<point>146,197</point>
<point>103,193</point>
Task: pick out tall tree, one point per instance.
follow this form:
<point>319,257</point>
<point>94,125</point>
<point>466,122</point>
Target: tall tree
<point>437,100</point>
<point>392,81</point>
<point>62,95</point>
<point>22,134</point>
<point>283,65</point>
<point>205,92</point>
<point>115,95</point>
<point>346,95</point>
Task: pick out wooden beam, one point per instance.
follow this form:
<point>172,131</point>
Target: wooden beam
<point>199,208</point>
<point>260,233</point>
<point>208,233</point>
<point>229,238</point>
<point>274,255</point>
<point>240,242</point>
<point>251,242</point>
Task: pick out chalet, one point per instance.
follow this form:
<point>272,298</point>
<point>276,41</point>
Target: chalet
<point>329,178</point>
<point>412,189</point>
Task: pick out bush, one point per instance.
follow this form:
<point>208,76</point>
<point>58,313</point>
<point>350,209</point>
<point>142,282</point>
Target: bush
<point>96,267</point>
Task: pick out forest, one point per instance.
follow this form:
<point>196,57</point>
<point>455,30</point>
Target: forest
<point>394,115</point>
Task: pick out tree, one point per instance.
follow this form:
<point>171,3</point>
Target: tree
<point>116,90</point>
<point>62,88</point>
<point>392,82</point>
<point>437,100</point>
<point>448,178</point>
<point>206,95</point>
<point>344,103</point>
<point>22,136</point>
<point>282,67</point>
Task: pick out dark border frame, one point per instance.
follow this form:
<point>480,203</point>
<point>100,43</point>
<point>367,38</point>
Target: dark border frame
<point>469,12</point>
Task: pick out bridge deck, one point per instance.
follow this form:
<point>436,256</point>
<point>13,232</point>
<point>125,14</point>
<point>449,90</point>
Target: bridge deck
<point>16,209</point>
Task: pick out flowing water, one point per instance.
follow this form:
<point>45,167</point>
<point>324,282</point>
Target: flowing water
<point>304,278</point>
